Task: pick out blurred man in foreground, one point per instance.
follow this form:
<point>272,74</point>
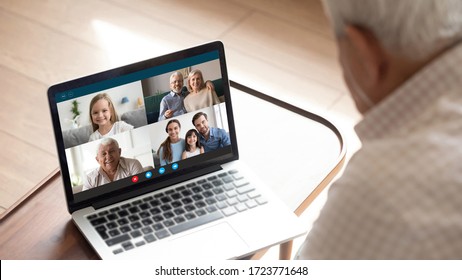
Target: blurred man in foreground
<point>400,196</point>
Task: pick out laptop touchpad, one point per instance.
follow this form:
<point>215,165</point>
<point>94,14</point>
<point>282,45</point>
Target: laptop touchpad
<point>217,241</point>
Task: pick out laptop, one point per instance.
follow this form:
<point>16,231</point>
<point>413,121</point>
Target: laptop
<point>131,188</point>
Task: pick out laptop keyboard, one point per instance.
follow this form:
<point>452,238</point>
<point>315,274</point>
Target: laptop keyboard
<point>158,216</point>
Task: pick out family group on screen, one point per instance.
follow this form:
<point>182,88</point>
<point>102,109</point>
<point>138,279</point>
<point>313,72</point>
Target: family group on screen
<point>189,123</point>
<point>197,141</point>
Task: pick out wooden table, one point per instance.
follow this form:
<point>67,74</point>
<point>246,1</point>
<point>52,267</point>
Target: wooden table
<point>296,152</point>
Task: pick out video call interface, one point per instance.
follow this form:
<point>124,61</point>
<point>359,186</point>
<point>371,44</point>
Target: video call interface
<point>143,129</point>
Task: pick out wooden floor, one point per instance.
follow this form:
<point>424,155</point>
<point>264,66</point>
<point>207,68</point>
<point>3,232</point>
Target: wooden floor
<point>283,48</point>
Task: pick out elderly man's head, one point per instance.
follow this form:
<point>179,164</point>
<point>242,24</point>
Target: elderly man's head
<point>176,82</point>
<point>108,155</point>
<point>382,43</point>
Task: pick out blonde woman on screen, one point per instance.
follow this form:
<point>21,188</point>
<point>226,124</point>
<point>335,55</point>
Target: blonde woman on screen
<point>200,96</point>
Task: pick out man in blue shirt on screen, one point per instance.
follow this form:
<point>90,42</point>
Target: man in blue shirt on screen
<point>172,104</point>
<point>211,138</point>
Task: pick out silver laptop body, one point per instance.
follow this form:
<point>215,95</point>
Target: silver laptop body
<point>209,205</point>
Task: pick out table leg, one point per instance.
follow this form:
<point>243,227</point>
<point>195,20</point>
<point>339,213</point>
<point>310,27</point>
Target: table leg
<point>285,250</point>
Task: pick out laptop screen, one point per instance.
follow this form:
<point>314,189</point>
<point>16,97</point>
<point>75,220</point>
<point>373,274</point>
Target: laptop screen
<point>133,128</point>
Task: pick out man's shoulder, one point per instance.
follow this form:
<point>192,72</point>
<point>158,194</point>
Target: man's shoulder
<point>94,173</point>
<point>128,160</point>
<point>130,164</point>
<point>168,95</point>
<point>219,132</point>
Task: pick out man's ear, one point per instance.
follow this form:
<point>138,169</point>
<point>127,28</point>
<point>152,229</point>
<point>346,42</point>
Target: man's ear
<point>370,53</point>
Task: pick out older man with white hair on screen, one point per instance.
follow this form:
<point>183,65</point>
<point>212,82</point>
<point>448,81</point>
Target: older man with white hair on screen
<point>112,166</point>
<point>400,197</point>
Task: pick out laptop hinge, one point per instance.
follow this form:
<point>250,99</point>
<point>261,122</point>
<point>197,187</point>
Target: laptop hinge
<point>157,186</point>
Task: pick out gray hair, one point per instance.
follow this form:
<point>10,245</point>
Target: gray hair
<point>415,29</point>
<point>176,73</point>
<point>192,73</point>
<point>107,141</point>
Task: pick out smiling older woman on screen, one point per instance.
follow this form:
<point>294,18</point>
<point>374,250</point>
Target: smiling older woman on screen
<point>199,95</point>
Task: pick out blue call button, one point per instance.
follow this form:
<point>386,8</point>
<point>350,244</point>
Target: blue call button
<point>175,166</point>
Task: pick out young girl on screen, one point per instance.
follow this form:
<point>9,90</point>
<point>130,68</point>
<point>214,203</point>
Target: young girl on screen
<point>104,119</point>
<point>193,146</point>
